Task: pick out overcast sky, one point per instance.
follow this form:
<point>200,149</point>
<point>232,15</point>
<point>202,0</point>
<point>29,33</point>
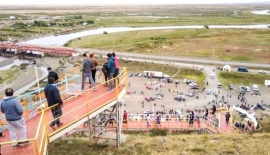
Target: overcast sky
<point>79,2</point>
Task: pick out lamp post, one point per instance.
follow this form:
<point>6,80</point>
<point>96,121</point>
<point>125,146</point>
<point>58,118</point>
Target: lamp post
<point>35,64</point>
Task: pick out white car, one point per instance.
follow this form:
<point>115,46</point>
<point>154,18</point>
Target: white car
<point>185,81</point>
<point>181,96</point>
<point>139,75</point>
<point>262,72</point>
<point>158,97</point>
<point>148,112</point>
<point>189,94</point>
<point>247,89</point>
<point>219,85</point>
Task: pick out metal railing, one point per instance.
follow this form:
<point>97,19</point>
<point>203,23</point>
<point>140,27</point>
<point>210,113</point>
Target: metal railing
<point>91,101</point>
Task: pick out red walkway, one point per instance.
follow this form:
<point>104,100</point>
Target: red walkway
<point>74,110</point>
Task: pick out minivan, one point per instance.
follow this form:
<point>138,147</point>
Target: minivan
<point>242,69</point>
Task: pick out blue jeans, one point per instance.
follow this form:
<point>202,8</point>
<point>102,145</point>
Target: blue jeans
<point>91,81</point>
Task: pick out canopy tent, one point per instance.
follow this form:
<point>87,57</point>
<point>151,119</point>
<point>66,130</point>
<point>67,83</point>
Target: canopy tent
<point>227,68</point>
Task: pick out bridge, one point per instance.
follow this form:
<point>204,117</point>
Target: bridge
<point>91,107</point>
<point>24,50</point>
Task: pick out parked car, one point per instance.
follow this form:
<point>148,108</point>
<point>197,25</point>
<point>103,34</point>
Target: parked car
<point>158,97</point>
<point>189,94</point>
<point>262,72</point>
<point>147,99</point>
<point>185,81</point>
<point>130,75</point>
<point>148,112</point>
<point>219,85</point>
<point>179,114</point>
<point>194,86</point>
<point>247,89</point>
<point>261,106</point>
<point>209,92</point>
<point>159,94</point>
<point>231,87</point>
<point>242,89</point>
<point>139,75</point>
<point>255,87</point>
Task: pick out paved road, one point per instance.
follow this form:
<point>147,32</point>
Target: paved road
<point>178,59</point>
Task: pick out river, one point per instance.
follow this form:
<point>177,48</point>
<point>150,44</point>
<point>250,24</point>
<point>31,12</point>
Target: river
<point>60,40</point>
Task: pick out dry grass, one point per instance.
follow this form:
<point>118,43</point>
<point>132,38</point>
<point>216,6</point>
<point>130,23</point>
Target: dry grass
<point>244,144</point>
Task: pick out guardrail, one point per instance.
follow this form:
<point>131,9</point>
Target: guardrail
<point>91,101</point>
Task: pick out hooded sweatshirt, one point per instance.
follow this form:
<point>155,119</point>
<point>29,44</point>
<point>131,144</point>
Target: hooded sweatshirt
<point>11,108</point>
<point>111,65</point>
<point>87,66</point>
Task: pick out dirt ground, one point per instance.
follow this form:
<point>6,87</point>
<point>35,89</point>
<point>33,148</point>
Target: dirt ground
<point>169,90</point>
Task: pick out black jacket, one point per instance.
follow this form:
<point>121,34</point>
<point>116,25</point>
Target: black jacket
<point>53,74</point>
<point>52,95</point>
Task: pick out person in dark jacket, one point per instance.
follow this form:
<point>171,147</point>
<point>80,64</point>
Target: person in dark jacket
<point>13,113</point>
<point>52,74</point>
<point>87,72</point>
<point>111,68</point>
<point>54,99</point>
<point>106,71</point>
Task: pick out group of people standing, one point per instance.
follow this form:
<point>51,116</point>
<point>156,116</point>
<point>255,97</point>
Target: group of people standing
<point>13,110</point>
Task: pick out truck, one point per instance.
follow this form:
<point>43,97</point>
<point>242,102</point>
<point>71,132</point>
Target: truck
<point>154,74</point>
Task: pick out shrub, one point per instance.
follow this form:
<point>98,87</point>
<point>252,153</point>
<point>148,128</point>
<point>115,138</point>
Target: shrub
<point>158,132</point>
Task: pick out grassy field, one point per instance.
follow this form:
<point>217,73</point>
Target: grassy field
<point>221,44</point>
<point>241,78</point>
<point>246,144</point>
<point>7,76</point>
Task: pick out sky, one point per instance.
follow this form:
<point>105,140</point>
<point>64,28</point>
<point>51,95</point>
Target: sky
<point>96,2</point>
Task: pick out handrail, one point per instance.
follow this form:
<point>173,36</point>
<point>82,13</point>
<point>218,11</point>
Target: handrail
<point>40,139</point>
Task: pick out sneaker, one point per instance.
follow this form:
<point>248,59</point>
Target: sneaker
<point>15,145</point>
<point>59,125</point>
<point>23,143</point>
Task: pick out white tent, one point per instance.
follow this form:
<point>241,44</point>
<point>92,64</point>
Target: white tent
<point>250,116</point>
<point>227,68</point>
<point>267,83</point>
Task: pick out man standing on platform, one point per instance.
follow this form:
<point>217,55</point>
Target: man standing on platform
<point>54,99</point>
<point>87,72</point>
<point>111,67</point>
<point>13,112</point>
<point>52,73</point>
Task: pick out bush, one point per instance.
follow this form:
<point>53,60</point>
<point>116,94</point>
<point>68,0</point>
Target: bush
<point>105,32</point>
<point>206,26</point>
<point>158,132</point>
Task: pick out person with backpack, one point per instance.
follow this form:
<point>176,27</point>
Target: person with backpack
<point>87,72</point>
<point>111,68</point>
<point>106,71</point>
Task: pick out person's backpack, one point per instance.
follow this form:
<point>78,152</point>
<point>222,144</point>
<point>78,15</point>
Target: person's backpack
<point>105,68</point>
